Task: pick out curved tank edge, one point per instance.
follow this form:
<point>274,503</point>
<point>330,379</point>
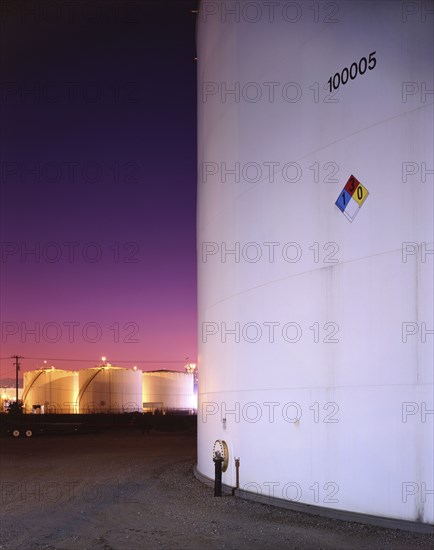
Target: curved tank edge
<point>341,515</point>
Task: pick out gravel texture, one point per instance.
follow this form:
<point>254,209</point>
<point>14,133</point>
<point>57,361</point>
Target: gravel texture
<point>125,490</point>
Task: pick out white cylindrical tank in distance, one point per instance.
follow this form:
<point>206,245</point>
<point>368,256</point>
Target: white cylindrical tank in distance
<point>169,390</point>
<point>52,390</point>
<point>315,326</point>
<point>109,389</point>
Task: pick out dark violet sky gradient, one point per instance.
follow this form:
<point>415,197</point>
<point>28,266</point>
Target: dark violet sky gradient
<point>144,49</point>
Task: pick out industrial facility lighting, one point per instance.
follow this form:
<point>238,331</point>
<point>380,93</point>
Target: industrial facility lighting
<point>190,367</point>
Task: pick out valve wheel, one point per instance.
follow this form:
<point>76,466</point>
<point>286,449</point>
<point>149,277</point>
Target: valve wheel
<point>220,449</point>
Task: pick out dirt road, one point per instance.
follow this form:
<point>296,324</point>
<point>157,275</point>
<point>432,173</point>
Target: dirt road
<point>125,490</point>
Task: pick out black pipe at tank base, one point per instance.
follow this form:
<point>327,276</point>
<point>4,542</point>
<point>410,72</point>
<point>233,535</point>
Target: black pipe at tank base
<point>218,461</point>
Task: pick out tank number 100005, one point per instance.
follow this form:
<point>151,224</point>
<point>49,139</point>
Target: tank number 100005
<point>350,73</point>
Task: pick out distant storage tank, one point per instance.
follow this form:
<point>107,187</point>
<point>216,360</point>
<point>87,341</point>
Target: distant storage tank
<point>51,390</point>
<point>316,324</point>
<point>7,396</point>
<point>109,389</point>
<point>168,390</point>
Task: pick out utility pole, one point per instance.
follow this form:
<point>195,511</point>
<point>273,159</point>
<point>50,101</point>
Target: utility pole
<point>17,368</point>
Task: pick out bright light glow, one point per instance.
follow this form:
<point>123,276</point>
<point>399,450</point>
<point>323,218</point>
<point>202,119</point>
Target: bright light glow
<point>190,367</point>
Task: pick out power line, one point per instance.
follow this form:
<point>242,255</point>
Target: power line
<point>93,360</point>
<point>5,372</point>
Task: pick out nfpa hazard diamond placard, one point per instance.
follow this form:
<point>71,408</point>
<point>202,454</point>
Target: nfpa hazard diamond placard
<point>351,198</point>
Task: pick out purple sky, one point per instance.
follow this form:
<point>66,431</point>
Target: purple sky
<point>103,105</point>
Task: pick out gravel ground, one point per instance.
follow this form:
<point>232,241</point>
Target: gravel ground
<point>126,490</point>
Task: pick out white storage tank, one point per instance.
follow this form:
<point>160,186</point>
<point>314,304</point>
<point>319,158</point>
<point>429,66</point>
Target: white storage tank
<point>316,318</point>
<point>168,390</point>
<point>50,391</point>
<point>109,389</point>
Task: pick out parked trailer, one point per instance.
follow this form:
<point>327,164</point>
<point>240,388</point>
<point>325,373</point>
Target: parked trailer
<point>25,429</point>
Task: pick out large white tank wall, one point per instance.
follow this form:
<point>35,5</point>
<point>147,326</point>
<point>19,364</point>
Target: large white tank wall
<point>174,390</point>
<point>54,389</point>
<point>110,389</point>
<point>344,424</point>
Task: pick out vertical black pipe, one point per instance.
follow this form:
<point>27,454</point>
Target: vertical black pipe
<point>218,461</point>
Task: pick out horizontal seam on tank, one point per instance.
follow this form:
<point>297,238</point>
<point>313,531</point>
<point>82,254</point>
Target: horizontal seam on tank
<point>321,149</point>
<point>304,273</point>
<point>423,384</point>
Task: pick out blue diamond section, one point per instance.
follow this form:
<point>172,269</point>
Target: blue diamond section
<point>343,200</point>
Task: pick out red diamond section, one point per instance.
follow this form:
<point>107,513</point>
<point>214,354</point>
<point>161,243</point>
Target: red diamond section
<point>351,185</point>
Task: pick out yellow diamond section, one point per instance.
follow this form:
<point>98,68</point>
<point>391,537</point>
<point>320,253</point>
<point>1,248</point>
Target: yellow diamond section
<point>360,194</point>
